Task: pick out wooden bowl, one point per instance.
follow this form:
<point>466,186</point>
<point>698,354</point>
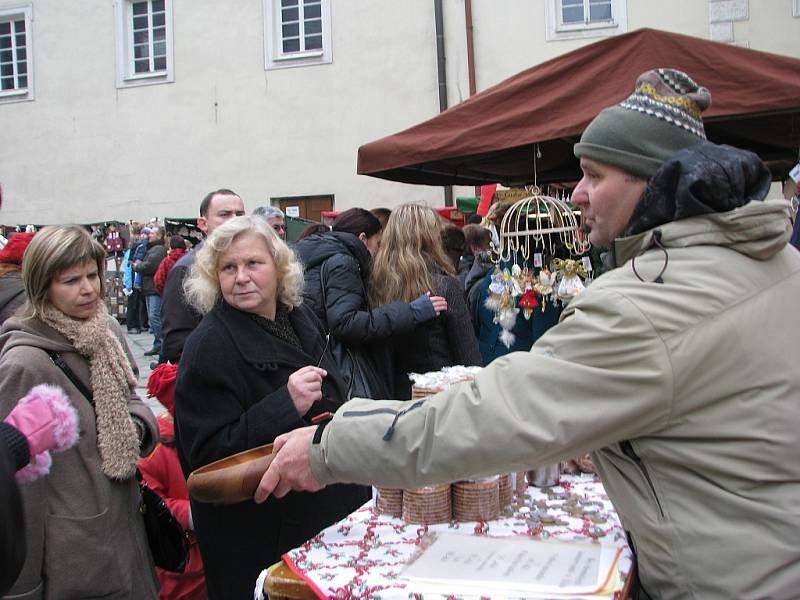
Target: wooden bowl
<point>232,479</point>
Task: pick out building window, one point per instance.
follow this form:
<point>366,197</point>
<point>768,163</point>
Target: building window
<point>796,8</point>
<point>144,42</point>
<point>296,33</point>
<point>16,66</point>
<point>570,19</point>
<point>584,12</point>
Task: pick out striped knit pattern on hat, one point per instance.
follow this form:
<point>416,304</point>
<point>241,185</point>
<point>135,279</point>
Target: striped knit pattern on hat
<point>672,96</point>
<point>642,132</point>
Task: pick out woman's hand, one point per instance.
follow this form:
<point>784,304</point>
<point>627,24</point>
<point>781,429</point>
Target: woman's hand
<point>427,307</point>
<point>439,304</point>
<point>305,387</point>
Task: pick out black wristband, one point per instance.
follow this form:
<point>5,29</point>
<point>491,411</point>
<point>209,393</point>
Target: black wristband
<point>318,433</point>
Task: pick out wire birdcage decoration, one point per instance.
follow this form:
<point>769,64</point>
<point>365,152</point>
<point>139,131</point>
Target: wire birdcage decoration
<point>540,223</point>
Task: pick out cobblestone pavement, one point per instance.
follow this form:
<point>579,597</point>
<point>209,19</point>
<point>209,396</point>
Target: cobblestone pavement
<point>141,343</point>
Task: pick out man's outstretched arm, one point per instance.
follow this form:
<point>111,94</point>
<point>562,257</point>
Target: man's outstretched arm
<point>291,467</point>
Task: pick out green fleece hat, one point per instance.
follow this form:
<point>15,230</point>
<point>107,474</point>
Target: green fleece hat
<point>640,133</point>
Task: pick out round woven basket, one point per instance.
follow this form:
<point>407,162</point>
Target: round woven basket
<point>389,502</point>
<point>477,500</point>
<point>429,504</point>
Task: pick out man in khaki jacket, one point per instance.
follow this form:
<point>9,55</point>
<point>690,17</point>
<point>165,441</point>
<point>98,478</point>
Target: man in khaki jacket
<point>675,368</point>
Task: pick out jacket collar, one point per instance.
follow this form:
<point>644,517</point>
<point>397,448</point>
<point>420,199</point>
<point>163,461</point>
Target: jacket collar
<point>316,249</point>
<point>758,229</point>
<point>249,338</point>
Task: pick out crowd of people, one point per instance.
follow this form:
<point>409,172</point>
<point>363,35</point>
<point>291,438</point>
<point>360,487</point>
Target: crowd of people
<point>257,340</point>
<point>243,327</point>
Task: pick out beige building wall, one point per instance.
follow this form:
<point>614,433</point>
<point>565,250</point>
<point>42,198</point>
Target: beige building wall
<point>84,150</point>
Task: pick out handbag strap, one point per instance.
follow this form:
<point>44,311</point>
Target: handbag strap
<point>323,285</point>
<point>328,334</point>
<point>59,361</point>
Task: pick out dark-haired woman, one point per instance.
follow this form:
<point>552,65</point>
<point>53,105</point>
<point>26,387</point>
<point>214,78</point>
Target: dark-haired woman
<point>337,268</point>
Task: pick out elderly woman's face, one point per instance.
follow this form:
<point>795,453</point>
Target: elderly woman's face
<point>248,278</point>
<point>76,290</point>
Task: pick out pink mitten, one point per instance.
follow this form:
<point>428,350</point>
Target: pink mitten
<point>46,418</point>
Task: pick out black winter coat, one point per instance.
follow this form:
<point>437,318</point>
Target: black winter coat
<point>12,294</point>
<point>446,341</point>
<point>230,396</point>
<point>156,252</point>
<point>343,307</point>
<point>178,319</point>
<point>13,456</point>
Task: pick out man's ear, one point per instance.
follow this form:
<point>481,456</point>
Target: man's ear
<point>202,225</point>
<point>363,237</point>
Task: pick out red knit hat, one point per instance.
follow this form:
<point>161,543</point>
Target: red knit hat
<point>12,253</point>
<point>161,384</point>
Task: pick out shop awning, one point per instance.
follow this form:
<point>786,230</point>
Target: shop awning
<point>494,136</point>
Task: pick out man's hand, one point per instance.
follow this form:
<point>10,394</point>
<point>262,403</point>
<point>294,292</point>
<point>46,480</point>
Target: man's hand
<point>291,468</point>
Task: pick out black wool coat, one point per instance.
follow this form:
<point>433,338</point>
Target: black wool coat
<point>231,396</point>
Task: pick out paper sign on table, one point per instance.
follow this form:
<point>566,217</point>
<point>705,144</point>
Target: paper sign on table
<point>511,566</point>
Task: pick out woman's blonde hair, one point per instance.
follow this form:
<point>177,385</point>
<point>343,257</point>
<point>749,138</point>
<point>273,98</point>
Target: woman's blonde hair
<point>202,286</point>
<point>53,250</point>
<point>411,251</point>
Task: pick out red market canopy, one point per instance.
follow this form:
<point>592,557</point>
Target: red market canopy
<point>494,135</point>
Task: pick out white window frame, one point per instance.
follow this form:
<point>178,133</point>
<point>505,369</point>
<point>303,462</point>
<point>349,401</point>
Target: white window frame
<point>556,30</point>
<point>15,13</point>
<point>126,74</point>
<point>275,58</point>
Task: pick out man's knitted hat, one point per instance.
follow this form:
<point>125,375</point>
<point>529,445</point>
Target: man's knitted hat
<point>640,133</point>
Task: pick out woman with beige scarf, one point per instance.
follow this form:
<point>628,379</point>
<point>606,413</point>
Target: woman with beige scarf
<point>85,537</point>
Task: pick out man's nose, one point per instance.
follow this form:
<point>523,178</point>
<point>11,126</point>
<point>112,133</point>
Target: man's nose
<point>579,194</point>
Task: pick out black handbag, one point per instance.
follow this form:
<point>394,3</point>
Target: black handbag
<point>166,536</point>
<point>168,542</point>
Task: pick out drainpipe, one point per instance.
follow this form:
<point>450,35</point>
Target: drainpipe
<point>470,59</point>
<point>470,47</point>
<point>442,76</point>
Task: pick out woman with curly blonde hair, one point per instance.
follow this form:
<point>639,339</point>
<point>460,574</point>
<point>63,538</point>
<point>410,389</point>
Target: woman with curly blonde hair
<point>255,367</point>
<point>411,261</point>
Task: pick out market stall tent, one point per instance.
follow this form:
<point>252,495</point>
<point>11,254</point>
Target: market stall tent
<point>541,112</point>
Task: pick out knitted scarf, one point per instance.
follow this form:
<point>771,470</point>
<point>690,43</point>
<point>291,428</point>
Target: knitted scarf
<point>110,380</point>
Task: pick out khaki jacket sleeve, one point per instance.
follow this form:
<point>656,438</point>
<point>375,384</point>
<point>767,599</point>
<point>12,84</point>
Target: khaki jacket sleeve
<point>601,376</point>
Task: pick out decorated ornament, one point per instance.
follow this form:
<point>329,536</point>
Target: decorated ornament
<point>496,286</point>
<point>569,273</point>
<point>544,286</point>
<point>503,290</point>
<point>527,303</point>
